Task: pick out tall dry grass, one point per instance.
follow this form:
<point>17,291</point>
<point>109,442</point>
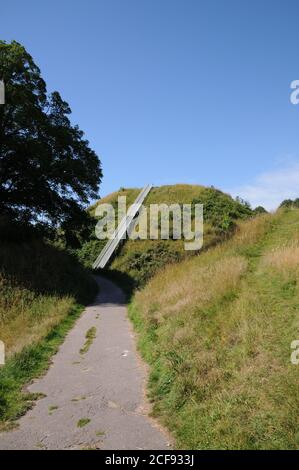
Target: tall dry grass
<point>284,259</point>
<point>178,289</point>
<point>206,276</point>
<point>217,330</point>
<point>39,285</point>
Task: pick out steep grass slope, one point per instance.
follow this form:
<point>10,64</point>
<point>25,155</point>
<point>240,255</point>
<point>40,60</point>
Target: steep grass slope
<point>216,330</point>
<point>42,290</point>
<point>140,259</point>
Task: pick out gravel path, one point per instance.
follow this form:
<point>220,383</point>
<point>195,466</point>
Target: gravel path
<point>101,390</point>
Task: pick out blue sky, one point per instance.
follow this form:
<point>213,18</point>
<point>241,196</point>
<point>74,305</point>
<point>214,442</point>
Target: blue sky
<point>175,91</point>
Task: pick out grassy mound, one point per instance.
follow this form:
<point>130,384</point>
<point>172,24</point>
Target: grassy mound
<point>216,330</point>
<point>42,291</point>
<point>140,259</point>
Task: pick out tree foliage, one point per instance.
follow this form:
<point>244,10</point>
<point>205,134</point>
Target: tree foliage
<point>48,172</point>
<point>259,210</point>
<point>290,204</point>
<point>221,210</point>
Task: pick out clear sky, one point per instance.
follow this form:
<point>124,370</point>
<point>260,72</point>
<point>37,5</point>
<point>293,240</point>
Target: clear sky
<point>175,91</point>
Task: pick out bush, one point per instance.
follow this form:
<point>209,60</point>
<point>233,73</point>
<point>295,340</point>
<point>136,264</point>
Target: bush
<point>221,210</point>
<point>145,264</point>
<point>89,251</point>
<point>290,204</point>
<point>259,210</point>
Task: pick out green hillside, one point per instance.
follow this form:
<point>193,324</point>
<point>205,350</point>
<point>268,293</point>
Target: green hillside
<point>140,259</point>
<point>217,329</point>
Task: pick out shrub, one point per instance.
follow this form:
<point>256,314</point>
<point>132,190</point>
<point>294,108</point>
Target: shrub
<point>221,210</point>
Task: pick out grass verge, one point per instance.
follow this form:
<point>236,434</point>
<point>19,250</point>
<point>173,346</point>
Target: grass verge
<point>42,292</point>
<point>26,365</point>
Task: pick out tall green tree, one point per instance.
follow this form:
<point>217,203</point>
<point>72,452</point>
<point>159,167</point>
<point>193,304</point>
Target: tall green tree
<point>48,172</point>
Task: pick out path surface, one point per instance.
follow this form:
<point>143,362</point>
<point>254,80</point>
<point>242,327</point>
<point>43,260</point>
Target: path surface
<point>104,385</point>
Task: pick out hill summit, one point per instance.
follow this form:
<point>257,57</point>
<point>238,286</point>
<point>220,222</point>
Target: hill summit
<point>140,259</point>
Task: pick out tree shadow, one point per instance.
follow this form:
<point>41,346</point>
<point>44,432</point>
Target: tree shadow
<point>43,269</point>
<point>122,280</point>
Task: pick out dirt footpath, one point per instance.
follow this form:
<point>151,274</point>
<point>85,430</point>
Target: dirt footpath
<point>94,399</point>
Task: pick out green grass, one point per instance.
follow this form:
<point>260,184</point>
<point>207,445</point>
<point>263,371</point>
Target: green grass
<point>216,331</point>
<point>90,336</point>
<point>76,399</point>
<point>52,408</point>
<point>83,422</point>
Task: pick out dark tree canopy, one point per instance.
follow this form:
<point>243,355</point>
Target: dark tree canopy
<point>48,172</point>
